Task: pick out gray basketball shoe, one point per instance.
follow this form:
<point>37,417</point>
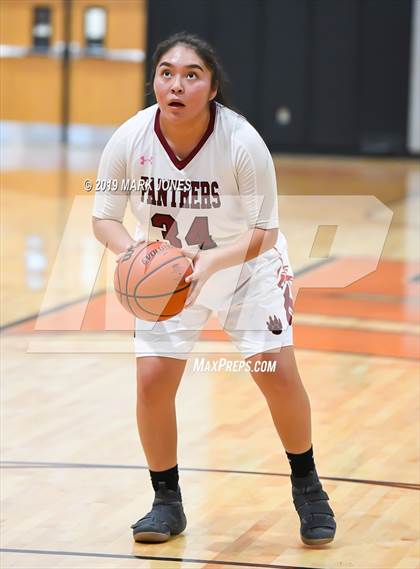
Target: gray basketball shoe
<point>165,519</point>
<point>317,524</point>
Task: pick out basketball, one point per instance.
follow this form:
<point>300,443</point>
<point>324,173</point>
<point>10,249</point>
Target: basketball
<point>149,281</point>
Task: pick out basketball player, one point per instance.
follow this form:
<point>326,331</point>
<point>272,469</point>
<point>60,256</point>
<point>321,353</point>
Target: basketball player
<point>205,181</point>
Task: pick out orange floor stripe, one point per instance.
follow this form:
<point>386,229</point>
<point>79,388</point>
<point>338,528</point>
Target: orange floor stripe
<point>344,340</point>
<point>392,278</point>
<point>332,303</point>
<point>389,293</point>
<point>330,339</point>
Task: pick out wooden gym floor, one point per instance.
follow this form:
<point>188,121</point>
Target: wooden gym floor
<point>73,474</point>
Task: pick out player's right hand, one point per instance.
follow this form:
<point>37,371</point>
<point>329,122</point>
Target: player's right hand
<point>129,249</point>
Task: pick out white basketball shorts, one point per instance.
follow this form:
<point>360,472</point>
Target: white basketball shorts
<point>253,303</point>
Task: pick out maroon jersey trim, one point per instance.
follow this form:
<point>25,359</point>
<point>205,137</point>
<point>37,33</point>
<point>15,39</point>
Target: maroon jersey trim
<point>180,164</point>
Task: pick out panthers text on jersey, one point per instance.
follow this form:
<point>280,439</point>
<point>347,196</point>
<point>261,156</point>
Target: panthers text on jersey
<point>225,186</point>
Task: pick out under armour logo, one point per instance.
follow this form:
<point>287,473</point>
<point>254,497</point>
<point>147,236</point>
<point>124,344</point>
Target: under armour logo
<point>144,160</point>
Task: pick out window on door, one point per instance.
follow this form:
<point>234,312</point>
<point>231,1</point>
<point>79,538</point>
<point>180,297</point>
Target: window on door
<point>95,27</point>
<point>41,28</point>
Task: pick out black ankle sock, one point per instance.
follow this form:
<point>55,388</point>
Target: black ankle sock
<point>301,464</point>
<point>169,476</point>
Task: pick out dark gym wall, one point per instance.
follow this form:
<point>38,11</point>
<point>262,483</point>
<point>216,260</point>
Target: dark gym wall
<point>232,27</point>
<point>311,75</point>
<point>333,58</point>
<point>386,42</point>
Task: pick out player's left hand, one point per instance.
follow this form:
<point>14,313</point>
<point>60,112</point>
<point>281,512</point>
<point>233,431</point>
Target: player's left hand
<point>203,268</point>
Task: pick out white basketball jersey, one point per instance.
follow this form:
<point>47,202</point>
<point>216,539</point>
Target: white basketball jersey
<point>226,185</point>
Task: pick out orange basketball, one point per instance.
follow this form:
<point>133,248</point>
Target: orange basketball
<point>149,281</point>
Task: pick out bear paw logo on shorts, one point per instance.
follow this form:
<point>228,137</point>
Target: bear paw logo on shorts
<point>274,325</point>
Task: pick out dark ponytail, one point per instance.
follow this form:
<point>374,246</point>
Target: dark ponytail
<point>203,50</point>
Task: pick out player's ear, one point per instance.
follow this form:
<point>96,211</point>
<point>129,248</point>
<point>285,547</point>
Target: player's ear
<point>213,91</point>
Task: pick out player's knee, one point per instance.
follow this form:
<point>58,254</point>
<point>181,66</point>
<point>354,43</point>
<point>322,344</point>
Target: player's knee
<point>287,382</point>
<point>280,385</point>
<point>149,388</point>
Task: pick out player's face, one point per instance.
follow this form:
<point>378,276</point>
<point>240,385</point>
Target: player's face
<point>182,84</point>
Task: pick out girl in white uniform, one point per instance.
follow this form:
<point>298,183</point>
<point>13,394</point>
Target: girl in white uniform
<point>197,174</point>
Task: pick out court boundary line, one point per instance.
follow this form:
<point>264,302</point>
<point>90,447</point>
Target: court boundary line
<point>150,558</point>
<point>52,310</point>
<point>10,464</point>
